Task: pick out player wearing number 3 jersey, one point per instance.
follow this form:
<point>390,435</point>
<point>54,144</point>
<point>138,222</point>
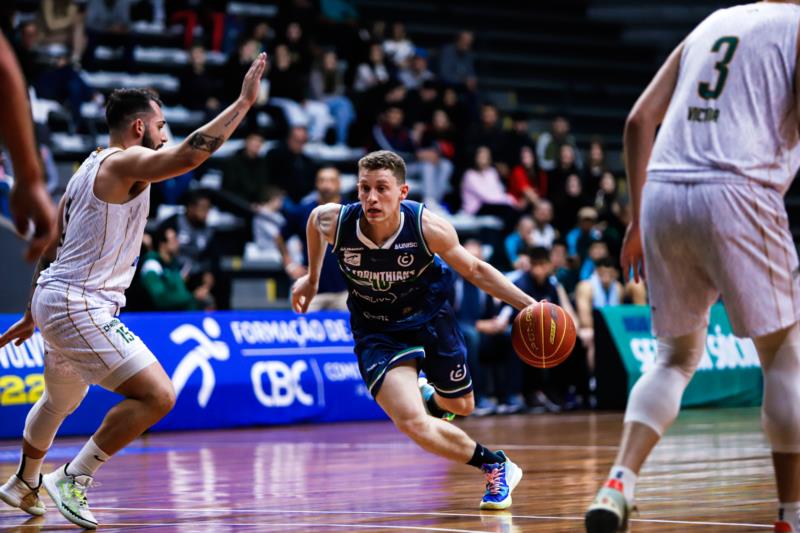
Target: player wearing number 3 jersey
<point>711,222</point>
<point>81,289</point>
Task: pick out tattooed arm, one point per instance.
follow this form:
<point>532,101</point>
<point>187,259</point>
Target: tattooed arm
<point>138,163</point>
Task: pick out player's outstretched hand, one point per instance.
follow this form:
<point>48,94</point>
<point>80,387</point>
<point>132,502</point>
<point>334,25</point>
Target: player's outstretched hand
<point>632,254</point>
<point>303,291</point>
<point>30,201</point>
<point>252,79</point>
<point>19,332</point>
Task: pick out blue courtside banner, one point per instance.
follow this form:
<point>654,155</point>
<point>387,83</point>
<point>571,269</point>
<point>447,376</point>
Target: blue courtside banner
<point>229,369</point>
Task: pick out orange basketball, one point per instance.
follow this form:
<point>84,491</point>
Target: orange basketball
<point>543,335</point>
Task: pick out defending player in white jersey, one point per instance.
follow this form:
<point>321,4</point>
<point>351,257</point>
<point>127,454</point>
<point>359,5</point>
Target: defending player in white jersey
<point>81,288</point>
<point>711,222</point>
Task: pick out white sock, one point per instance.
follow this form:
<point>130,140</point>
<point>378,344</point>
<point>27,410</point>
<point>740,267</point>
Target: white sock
<point>88,460</point>
<point>29,470</point>
<point>790,512</point>
<point>628,479</point>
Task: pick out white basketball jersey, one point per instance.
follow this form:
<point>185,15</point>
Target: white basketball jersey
<point>99,248</point>
<point>732,116</point>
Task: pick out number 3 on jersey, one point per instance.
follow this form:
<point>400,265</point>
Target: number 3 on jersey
<point>704,88</point>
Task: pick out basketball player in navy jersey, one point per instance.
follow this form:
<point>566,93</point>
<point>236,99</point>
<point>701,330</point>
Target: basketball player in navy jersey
<point>394,255</point>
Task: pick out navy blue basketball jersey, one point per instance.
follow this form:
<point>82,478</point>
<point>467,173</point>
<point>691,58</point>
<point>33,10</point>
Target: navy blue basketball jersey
<point>398,285</point>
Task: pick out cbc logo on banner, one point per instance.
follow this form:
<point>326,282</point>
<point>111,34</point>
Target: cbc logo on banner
<point>284,386</point>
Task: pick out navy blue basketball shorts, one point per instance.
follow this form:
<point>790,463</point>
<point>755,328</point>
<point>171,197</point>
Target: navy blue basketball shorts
<point>437,346</point>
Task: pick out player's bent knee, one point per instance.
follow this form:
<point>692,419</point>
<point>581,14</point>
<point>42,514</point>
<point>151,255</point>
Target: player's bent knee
<point>161,400</point>
<point>462,406</point>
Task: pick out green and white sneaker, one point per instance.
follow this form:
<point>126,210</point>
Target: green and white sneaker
<point>609,512</point>
<point>427,390</point>
<point>68,492</point>
<point>17,493</point>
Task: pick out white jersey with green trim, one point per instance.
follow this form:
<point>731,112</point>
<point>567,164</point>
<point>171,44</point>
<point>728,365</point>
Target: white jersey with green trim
<point>99,246</point>
<point>733,115</point>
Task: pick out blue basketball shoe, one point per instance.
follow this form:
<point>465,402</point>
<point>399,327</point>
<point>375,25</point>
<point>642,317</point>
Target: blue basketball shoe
<point>501,478</point>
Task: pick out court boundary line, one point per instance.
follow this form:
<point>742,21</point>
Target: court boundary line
<point>422,513</point>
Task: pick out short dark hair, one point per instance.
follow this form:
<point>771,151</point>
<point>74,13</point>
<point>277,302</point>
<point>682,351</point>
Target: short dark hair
<point>124,104</point>
<point>194,197</point>
<point>161,234</point>
<point>605,262</point>
<point>538,254</point>
<point>384,159</point>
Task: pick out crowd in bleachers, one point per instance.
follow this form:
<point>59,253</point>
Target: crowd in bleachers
<point>533,203</point>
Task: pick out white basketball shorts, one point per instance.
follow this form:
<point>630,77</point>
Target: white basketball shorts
<point>83,337</point>
<point>706,240</point>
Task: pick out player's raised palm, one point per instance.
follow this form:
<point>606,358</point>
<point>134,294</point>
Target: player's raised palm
<point>252,80</point>
<point>632,253</point>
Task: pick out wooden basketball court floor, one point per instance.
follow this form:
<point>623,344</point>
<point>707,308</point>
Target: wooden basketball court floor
<point>711,473</point>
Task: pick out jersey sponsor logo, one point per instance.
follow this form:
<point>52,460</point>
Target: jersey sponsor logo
<point>405,260</point>
<point>352,259</point>
<point>386,298</point>
<point>380,318</point>
<point>379,281</point>
<point>404,245</point>
<point>356,249</point>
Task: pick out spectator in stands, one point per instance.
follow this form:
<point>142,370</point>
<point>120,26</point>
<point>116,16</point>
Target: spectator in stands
<point>472,305</point>
<point>595,167</point>
<point>517,138</point>
<point>483,192</point>
<point>289,168</point>
<point>565,166</point>
<point>374,73</point>
<point>606,200</point>
<point>390,133</point>
<point>299,47</point>
<point>288,91</point>
<point>416,72</point>
<point>527,182</point>
<point>195,238</point>
<point>519,240</point>
<point>434,153</point>
<point>598,250</point>
<point>327,85</point>
<point>565,267</point>
<point>332,292</point>
<point>422,102</point>
<point>600,290</point>
<point>25,48</point>
<point>269,221</point>
<point>163,279</point>
<point>549,143</point>
<point>583,234</point>
<point>263,33</point>
<point>543,233</point>
<point>456,109</point>
<point>200,90</point>
<point>245,173</point>
<point>457,61</point>
<point>567,202</point>
<point>399,48</point>
<point>61,22</point>
<point>108,21</point>
<point>487,133</point>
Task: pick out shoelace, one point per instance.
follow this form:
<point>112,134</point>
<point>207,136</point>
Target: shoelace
<point>78,491</point>
<point>494,479</point>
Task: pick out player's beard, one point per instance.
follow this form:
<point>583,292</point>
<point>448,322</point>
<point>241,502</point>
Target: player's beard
<point>147,141</point>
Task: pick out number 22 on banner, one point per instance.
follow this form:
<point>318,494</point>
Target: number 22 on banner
<point>15,390</point>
